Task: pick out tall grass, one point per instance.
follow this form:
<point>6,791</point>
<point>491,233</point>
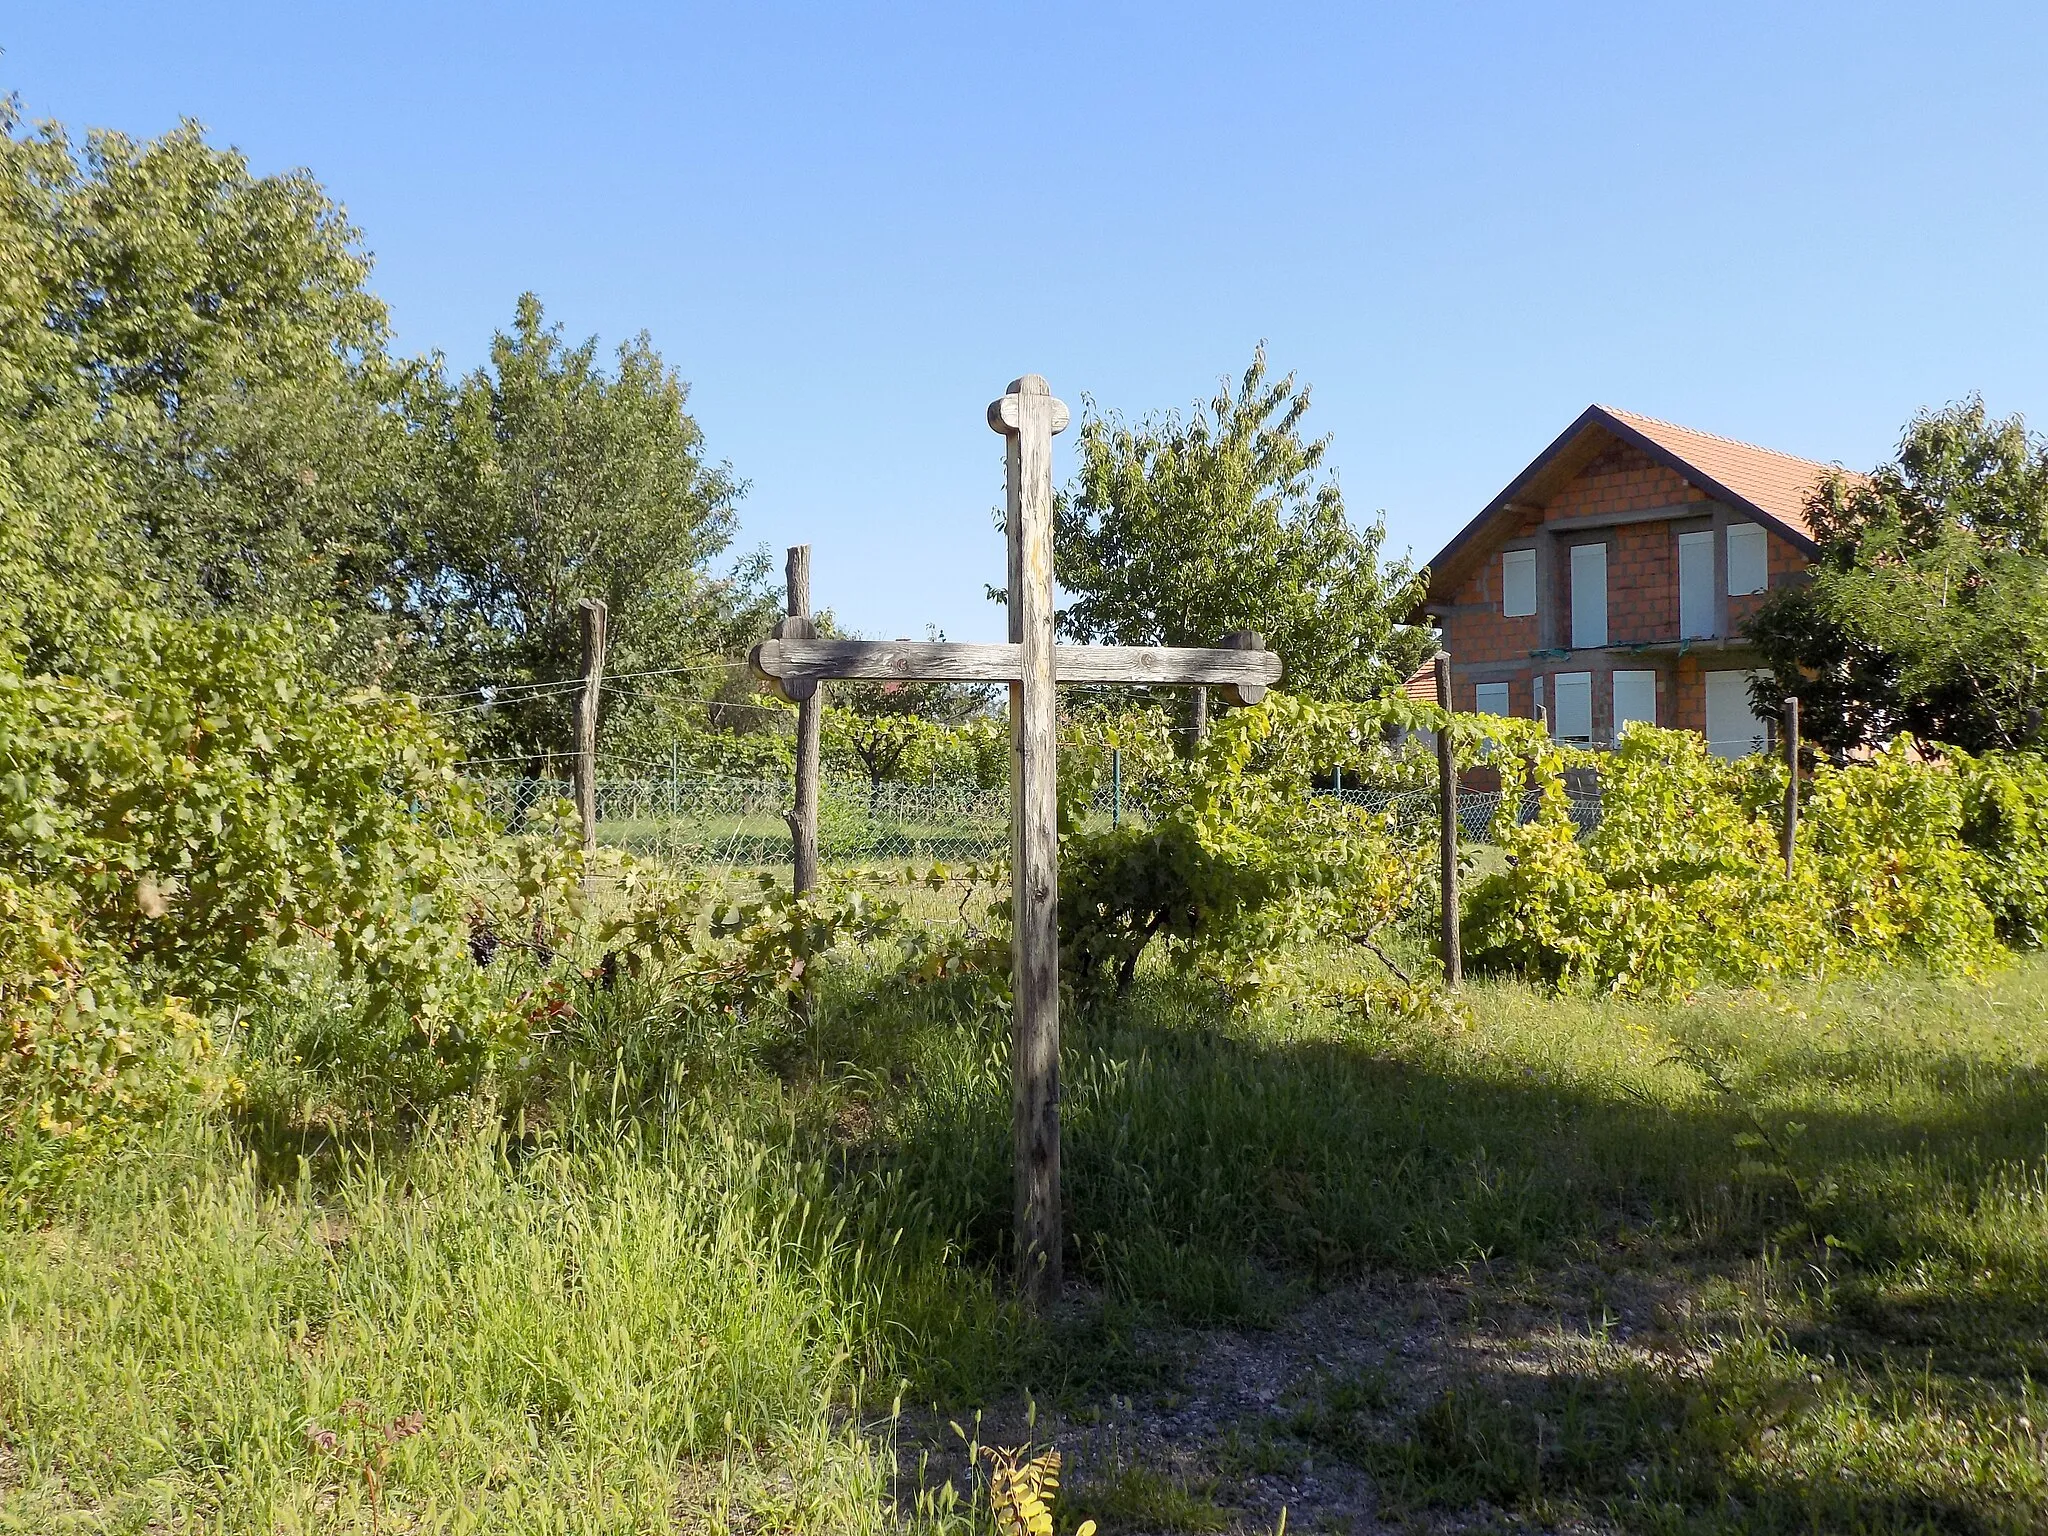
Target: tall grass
<point>593,1341</point>
<point>688,1293</point>
<point>1208,1147</point>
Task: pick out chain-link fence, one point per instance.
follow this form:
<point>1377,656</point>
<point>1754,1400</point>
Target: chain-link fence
<point>702,822</point>
<point>1414,811</point>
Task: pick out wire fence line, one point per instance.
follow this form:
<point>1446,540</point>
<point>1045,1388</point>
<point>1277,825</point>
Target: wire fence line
<point>702,821</point>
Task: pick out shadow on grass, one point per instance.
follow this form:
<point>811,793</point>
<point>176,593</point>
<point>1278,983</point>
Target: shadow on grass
<point>1761,1440</point>
<point>1208,1167</point>
<point>1199,1161</point>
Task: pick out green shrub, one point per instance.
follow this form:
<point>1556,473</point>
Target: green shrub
<point>1244,857</point>
<point>2005,824</point>
<point>90,1060</point>
<point>189,814</point>
<point>1684,882</point>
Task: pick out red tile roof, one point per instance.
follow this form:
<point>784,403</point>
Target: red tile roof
<point>1776,482</point>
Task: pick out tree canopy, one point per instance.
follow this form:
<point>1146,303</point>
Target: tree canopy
<point>200,414</point>
<point>1928,607</point>
<point>199,404</point>
<point>549,480</point>
<point>1181,529</point>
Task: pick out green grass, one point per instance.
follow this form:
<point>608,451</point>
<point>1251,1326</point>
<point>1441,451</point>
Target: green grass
<point>689,1294</point>
<point>1136,1497</point>
<point>589,1340</point>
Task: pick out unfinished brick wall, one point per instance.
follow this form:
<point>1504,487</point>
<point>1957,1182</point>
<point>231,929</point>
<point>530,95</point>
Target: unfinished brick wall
<point>1689,711</point>
<point>1477,632</point>
<point>1621,479</point>
<point>1642,584</point>
<point>1642,595</point>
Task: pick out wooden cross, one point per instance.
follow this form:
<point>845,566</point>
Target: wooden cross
<point>795,662</point>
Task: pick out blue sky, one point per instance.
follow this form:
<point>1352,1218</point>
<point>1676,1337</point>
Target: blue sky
<point>849,226</point>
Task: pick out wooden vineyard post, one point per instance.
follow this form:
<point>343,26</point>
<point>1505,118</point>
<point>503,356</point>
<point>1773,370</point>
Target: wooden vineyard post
<point>795,660</point>
<point>1788,835</point>
<point>1027,416</point>
<point>803,815</point>
<point>1447,822</point>
<point>591,614</point>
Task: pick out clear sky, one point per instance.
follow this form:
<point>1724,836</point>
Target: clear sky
<point>850,225</point>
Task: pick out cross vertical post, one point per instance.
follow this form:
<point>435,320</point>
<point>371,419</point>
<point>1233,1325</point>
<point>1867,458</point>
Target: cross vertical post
<point>803,814</point>
<point>1027,416</point>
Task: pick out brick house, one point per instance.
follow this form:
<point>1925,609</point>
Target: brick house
<point>1608,583</point>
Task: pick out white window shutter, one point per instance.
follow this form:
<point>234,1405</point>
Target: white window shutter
<point>1589,595</point>
<point>1493,698</point>
<point>1518,583</point>
<point>1749,559</point>
<point>1635,698</point>
<point>1733,729</point>
<point>1572,719</point>
<point>1696,585</point>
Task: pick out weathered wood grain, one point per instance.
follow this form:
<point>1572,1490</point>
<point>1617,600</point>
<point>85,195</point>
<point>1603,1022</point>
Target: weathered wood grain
<point>789,663</point>
<point>803,813</point>
<point>1028,416</point>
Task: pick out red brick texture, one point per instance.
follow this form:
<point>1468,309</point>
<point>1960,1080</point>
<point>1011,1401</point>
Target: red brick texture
<point>1642,583</point>
<point>1622,479</point>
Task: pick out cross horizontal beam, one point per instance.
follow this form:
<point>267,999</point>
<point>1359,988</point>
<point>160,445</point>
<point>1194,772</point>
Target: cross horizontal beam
<point>1234,665</point>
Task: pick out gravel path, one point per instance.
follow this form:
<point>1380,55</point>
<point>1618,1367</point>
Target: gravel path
<point>1236,1425</point>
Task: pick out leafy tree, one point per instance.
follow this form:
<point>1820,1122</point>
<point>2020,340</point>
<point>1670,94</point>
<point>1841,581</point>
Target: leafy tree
<point>552,480</point>
<point>1181,529</point>
<point>1928,608</point>
<point>198,401</point>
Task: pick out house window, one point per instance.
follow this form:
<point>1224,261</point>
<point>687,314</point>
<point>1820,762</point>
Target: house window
<point>1635,698</point>
<point>1492,698</point>
<point>1518,583</point>
<point>1589,595</point>
<point>1733,729</point>
<point>1696,585</point>
<point>1749,561</point>
<point>1573,714</point>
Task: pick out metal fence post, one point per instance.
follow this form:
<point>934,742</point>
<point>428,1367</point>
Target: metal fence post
<point>1116,786</point>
